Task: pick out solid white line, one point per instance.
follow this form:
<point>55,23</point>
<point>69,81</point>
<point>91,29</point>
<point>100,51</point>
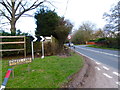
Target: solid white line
<point>116,73</point>
<point>107,75</point>
<point>118,83</point>
<point>98,63</point>
<point>98,68</point>
<point>86,56</point>
<point>105,68</point>
<point>100,52</point>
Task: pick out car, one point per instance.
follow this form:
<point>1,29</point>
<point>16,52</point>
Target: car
<point>71,44</point>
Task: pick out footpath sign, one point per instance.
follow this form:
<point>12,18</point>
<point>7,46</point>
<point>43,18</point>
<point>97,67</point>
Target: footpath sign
<point>19,61</point>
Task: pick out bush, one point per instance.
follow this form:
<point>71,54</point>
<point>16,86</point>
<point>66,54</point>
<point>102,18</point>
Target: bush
<point>108,42</point>
<point>100,40</point>
<point>91,40</point>
<point>113,43</point>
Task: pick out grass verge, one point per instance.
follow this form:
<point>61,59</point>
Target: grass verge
<point>50,72</point>
<point>101,47</point>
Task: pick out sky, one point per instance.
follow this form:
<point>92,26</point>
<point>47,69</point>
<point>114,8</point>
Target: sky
<point>77,12</point>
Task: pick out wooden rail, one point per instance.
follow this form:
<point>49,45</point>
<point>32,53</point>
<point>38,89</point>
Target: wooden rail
<point>11,50</point>
<point>19,42</point>
<point>11,42</point>
<point>12,36</point>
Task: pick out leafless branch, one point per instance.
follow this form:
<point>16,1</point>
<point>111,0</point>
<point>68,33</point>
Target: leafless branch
<point>13,10</point>
<point>3,13</point>
<point>3,3</point>
<point>52,4</point>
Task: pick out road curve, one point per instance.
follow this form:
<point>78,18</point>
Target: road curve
<point>107,57</point>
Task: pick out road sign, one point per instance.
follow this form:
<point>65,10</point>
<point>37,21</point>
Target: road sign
<point>34,39</point>
<point>69,36</point>
<point>37,38</point>
<point>42,38</point>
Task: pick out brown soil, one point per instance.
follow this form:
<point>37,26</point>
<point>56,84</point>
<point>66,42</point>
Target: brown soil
<point>84,78</point>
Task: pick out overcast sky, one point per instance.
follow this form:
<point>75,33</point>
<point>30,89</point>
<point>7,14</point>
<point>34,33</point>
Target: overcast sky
<point>77,12</point>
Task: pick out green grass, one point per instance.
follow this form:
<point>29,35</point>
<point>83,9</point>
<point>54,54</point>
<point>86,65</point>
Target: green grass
<point>101,47</point>
<point>51,72</point>
<point>0,70</point>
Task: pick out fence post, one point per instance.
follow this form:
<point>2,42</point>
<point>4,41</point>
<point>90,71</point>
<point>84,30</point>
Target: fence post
<point>24,47</point>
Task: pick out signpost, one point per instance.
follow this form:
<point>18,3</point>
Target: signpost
<point>43,39</point>
<point>69,38</point>
<point>34,39</point>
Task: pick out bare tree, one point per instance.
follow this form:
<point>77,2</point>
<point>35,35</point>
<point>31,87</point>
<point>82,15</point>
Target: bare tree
<point>113,18</point>
<point>12,10</point>
<point>84,33</point>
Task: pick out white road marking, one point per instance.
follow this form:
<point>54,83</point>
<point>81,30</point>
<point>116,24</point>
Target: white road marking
<point>98,63</point>
<point>118,83</point>
<point>107,75</point>
<point>86,56</point>
<point>105,68</point>
<point>98,68</point>
<point>116,74</point>
<point>100,52</point>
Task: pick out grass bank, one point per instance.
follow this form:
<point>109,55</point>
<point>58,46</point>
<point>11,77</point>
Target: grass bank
<point>101,47</point>
<point>51,72</point>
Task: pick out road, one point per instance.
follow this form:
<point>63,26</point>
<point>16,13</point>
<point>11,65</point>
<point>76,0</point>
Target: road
<point>107,62</point>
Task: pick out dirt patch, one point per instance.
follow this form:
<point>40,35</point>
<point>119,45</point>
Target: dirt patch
<point>84,78</point>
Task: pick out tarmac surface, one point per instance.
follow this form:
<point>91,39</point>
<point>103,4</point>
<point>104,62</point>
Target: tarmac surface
<point>94,74</point>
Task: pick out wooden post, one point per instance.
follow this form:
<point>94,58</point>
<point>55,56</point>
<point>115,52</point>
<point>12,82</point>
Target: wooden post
<point>13,72</point>
<point>24,47</point>
<point>28,67</point>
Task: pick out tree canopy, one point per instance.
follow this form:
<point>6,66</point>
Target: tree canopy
<point>46,21</point>
<point>84,33</point>
<point>49,23</point>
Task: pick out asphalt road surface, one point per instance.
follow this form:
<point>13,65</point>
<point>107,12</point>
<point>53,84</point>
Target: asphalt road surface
<point>108,57</point>
<point>107,62</point>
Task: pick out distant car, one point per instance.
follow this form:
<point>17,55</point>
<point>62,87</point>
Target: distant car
<point>71,44</point>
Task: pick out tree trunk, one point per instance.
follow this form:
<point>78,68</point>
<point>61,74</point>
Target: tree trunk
<point>13,20</point>
<point>13,28</point>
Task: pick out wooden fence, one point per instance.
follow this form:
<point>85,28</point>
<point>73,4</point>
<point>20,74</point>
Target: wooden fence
<point>18,42</point>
